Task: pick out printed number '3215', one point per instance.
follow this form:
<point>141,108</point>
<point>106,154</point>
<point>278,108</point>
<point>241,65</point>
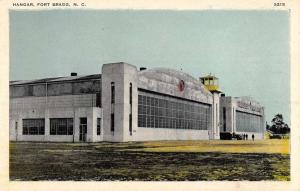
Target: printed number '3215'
<point>279,4</point>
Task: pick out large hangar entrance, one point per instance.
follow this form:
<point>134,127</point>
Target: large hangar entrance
<point>247,122</point>
<point>163,111</point>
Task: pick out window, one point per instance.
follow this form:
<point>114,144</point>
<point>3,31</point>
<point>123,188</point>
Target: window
<point>98,99</point>
<point>161,111</point>
<point>83,121</point>
<point>33,126</point>
<point>130,124</point>
<point>113,92</point>
<point>112,115</point>
<point>130,93</point>
<point>224,119</point>
<point>130,112</point>
<point>30,90</point>
<point>247,122</point>
<point>112,122</point>
<point>98,126</point>
<point>61,126</point>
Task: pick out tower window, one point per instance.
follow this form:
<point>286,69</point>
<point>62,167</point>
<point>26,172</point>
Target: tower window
<point>112,114</point>
<point>130,93</point>
<point>224,119</point>
<point>130,112</point>
<point>113,92</point>
<point>112,122</point>
<point>98,126</point>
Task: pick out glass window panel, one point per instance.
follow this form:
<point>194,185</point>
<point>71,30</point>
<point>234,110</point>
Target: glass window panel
<point>33,126</point>
<point>61,126</point>
<point>166,112</point>
<point>247,122</point>
<point>148,100</point>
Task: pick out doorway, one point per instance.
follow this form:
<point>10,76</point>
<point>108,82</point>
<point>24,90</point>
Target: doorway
<point>83,129</point>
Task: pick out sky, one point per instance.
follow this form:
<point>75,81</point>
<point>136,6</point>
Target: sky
<point>247,50</point>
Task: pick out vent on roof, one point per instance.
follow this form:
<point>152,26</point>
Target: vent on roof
<point>143,68</point>
<point>73,74</point>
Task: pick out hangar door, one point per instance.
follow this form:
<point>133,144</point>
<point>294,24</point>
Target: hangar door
<point>162,111</point>
<point>247,122</point>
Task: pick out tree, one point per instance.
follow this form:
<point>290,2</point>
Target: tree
<point>278,125</point>
<point>267,126</point>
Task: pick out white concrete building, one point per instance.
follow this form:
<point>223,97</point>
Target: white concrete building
<point>122,104</point>
<point>242,115</point>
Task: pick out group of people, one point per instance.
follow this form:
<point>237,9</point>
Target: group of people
<point>245,137</point>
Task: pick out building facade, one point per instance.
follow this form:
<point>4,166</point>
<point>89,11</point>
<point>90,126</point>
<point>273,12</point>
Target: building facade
<point>242,115</point>
<point>124,104</point>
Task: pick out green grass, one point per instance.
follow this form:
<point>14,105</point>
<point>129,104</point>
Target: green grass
<point>259,146</point>
<point>151,161</point>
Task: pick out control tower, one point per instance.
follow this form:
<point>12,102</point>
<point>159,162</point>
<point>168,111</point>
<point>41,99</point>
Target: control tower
<point>211,83</point>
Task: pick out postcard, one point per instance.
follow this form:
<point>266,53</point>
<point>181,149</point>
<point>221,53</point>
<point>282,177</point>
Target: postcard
<point>131,95</point>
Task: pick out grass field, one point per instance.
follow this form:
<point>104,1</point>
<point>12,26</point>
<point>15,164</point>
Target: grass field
<point>151,161</point>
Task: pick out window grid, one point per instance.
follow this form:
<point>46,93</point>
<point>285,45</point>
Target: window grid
<point>246,122</point>
<point>33,126</point>
<point>158,111</point>
<point>61,126</point>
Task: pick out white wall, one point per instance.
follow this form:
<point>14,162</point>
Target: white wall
<point>54,107</point>
<point>155,134</point>
<point>215,127</point>
<point>121,74</point>
<point>231,105</point>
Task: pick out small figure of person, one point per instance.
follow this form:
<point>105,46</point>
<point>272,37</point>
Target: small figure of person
<point>246,136</point>
<point>252,137</point>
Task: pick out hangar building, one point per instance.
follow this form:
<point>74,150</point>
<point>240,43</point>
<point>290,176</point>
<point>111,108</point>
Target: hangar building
<point>126,104</point>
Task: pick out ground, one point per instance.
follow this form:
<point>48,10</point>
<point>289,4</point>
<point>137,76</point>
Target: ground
<point>151,161</point>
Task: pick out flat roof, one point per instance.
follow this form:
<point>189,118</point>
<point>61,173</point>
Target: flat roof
<point>56,79</point>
